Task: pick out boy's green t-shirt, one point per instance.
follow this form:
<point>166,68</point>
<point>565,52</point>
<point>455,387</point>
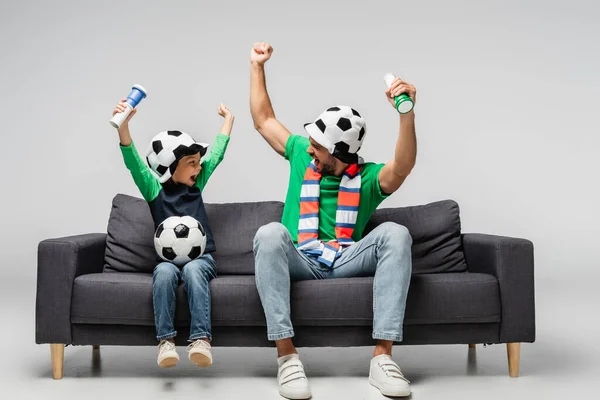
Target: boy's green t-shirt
<point>148,183</point>
<point>371,194</point>
<point>171,199</point>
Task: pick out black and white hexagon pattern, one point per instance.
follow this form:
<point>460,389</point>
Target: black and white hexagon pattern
<point>344,127</point>
<point>180,240</point>
<point>163,151</point>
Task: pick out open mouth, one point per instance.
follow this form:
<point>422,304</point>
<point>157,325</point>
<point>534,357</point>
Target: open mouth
<point>193,178</point>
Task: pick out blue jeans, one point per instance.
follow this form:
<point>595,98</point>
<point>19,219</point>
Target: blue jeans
<point>196,276</point>
<point>384,253</point>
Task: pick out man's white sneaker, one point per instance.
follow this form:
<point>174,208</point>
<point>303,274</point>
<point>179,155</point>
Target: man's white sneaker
<point>386,376</point>
<point>291,378</point>
<point>167,354</point>
<point>199,353</point>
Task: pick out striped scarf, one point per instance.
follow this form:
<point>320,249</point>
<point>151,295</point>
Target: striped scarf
<point>345,217</point>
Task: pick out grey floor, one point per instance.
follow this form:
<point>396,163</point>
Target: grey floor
<point>563,363</point>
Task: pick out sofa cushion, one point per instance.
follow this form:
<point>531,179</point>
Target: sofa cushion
<point>130,247</point>
<point>432,299</point>
<point>126,298</point>
<point>235,264</point>
<point>435,230</point>
<point>129,240</point>
<point>234,226</point>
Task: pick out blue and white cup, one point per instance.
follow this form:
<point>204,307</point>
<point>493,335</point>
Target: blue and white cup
<point>133,99</point>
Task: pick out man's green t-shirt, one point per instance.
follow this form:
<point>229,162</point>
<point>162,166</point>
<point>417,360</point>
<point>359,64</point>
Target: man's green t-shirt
<point>371,194</point>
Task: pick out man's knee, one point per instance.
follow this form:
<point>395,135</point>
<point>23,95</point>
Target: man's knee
<point>396,234</point>
<point>273,232</point>
<point>269,239</point>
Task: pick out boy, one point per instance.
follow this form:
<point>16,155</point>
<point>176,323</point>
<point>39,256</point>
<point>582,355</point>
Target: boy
<point>176,190</point>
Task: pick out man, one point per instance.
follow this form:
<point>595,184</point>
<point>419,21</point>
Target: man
<point>331,195</point>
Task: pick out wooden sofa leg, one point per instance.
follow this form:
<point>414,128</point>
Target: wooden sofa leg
<point>514,355</point>
<point>96,347</point>
<point>471,346</point>
<point>57,355</point>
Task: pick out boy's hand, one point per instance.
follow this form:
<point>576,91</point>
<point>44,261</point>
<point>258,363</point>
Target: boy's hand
<point>228,122</point>
<point>225,112</point>
<point>122,107</point>
<point>260,53</point>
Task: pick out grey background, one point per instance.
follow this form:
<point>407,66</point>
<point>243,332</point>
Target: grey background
<point>505,107</point>
<point>506,115</point>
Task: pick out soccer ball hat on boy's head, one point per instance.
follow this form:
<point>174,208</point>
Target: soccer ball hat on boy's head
<point>167,148</point>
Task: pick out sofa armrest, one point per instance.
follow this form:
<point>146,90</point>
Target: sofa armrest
<point>510,260</point>
<point>60,261</point>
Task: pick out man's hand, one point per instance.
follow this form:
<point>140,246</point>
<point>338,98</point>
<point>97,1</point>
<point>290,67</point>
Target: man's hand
<point>398,87</point>
<point>394,172</point>
<point>260,53</point>
<point>261,109</point>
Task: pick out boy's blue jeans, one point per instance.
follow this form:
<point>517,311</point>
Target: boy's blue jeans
<point>196,276</point>
<point>384,253</point>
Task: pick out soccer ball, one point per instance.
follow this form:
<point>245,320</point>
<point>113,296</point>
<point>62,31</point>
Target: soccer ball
<point>345,124</point>
<point>180,240</point>
<point>341,130</point>
<point>166,148</point>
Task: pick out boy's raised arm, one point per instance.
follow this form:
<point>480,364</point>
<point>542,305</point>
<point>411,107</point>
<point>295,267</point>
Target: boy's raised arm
<point>217,150</point>
<point>146,182</point>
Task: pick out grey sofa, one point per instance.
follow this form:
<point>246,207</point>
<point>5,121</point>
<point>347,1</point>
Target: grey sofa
<point>96,289</point>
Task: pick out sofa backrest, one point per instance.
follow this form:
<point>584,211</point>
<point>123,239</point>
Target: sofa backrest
<point>129,239</point>
<point>130,244</point>
<point>234,226</point>
<point>435,229</point>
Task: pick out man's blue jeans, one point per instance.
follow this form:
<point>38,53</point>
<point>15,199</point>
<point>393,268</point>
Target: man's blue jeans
<point>384,253</point>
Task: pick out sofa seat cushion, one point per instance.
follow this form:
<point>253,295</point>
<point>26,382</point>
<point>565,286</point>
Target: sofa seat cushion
<point>126,298</point>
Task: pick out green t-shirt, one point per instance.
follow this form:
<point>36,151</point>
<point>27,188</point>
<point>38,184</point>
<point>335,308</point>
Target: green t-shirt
<point>371,194</point>
<point>149,184</point>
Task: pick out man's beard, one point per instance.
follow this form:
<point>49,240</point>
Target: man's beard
<point>328,168</point>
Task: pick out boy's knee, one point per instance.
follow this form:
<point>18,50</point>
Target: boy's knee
<point>165,272</point>
<point>197,267</point>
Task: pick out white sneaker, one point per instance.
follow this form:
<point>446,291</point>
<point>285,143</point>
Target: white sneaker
<point>167,354</point>
<point>199,353</point>
<point>386,376</point>
<point>291,378</point>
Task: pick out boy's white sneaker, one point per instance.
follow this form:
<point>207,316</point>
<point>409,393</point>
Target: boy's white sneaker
<point>199,353</point>
<point>291,378</point>
<point>167,354</point>
<point>386,376</point>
